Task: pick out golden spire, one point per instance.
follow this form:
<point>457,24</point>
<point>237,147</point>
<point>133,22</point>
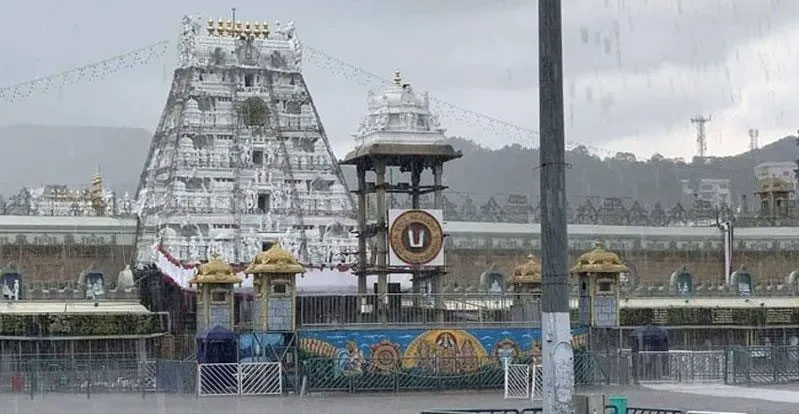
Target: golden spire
<point>220,27</point>
<point>265,30</point>
<point>599,260</point>
<point>247,29</point>
<point>275,260</point>
<point>229,27</point>
<point>397,78</point>
<point>529,272</point>
<point>96,194</point>
<point>215,271</point>
<point>210,26</point>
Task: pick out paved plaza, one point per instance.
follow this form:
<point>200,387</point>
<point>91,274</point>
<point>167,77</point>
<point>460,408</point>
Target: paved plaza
<point>771,400</point>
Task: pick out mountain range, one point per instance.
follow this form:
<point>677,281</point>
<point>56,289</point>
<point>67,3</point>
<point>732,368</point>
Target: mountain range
<point>36,155</point>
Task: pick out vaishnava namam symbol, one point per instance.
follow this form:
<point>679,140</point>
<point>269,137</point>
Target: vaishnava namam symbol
<point>416,237</point>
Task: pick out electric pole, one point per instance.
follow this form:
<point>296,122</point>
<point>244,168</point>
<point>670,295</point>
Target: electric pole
<point>753,139</point>
<point>796,171</point>
<point>556,330</point>
<point>701,143</point>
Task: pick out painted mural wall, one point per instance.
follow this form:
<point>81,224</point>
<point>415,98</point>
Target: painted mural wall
<point>440,350</point>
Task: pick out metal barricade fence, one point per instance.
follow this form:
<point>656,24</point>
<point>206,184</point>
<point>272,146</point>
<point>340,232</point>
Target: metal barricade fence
<point>218,379</point>
<point>517,380</point>
<point>261,378</point>
<point>249,378</point>
<point>680,366</point>
<point>763,365</point>
<point>597,368</point>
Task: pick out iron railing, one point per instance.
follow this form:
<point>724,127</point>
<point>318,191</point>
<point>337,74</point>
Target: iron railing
<point>762,365</point>
<point>97,375</point>
<point>417,309</point>
<point>405,374</point>
<point>679,366</point>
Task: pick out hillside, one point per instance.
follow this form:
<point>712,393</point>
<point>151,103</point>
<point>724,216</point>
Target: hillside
<point>37,155</point>
<point>484,173</point>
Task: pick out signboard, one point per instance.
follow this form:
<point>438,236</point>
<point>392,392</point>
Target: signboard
<point>415,238</point>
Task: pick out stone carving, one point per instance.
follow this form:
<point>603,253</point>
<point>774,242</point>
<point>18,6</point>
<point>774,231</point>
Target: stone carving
<point>186,44</point>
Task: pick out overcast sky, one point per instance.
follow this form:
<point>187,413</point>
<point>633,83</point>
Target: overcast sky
<point>636,70</point>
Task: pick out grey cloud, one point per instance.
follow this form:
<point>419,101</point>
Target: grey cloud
<point>481,55</point>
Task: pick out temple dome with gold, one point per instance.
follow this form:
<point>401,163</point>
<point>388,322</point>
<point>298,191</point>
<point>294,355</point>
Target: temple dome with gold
<point>527,273</point>
<point>215,271</point>
<point>599,260</point>
<point>275,260</point>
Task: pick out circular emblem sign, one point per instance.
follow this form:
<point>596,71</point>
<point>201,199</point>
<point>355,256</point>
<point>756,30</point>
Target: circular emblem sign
<point>416,237</point>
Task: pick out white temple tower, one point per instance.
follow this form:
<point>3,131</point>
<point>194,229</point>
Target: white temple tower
<point>240,155</point>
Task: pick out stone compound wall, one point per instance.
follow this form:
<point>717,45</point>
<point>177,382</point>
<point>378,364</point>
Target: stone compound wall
<point>652,254</point>
<point>64,263</point>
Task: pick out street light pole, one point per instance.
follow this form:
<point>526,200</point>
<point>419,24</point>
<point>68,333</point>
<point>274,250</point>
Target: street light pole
<point>558,378</point>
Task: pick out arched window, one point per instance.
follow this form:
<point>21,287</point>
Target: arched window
<point>682,282</point>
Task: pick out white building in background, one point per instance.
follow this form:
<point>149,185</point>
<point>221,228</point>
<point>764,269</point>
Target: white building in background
<point>716,191</point>
<point>240,156</point>
<point>63,200</point>
<point>783,170</point>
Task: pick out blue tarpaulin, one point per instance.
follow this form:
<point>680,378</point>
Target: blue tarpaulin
<point>216,345</point>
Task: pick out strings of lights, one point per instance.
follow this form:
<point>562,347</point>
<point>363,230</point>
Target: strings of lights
<point>87,73</point>
<point>141,56</point>
<point>454,112</point>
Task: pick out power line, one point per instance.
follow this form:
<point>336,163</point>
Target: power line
<point>101,69</point>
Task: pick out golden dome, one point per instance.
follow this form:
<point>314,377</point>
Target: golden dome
<point>599,260</point>
<point>527,273</point>
<point>275,260</point>
<point>215,271</point>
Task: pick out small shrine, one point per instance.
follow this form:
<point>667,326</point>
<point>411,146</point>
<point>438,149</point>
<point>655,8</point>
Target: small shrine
<point>681,282</point>
<point>274,271</point>
<point>598,274</point>
<point>215,301</point>
<point>526,278</point>
<point>11,283</point>
<point>741,282</point>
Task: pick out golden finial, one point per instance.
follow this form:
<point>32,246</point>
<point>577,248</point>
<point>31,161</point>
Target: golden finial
<point>256,30</point>
<point>265,30</point>
<point>247,29</point>
<point>229,27</point>
<point>220,27</point>
<point>397,78</point>
<point>210,26</point>
<point>238,28</point>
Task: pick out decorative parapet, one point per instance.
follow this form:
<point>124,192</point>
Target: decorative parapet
<point>226,43</point>
<point>72,325</point>
<point>708,316</point>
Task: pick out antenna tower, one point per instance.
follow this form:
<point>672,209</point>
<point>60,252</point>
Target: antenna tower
<point>753,141</point>
<point>701,143</point>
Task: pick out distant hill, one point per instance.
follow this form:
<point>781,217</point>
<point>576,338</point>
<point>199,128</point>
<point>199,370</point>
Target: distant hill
<point>512,169</point>
<point>35,155</point>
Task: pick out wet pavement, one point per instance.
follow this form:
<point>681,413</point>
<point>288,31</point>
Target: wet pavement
<point>772,400</point>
